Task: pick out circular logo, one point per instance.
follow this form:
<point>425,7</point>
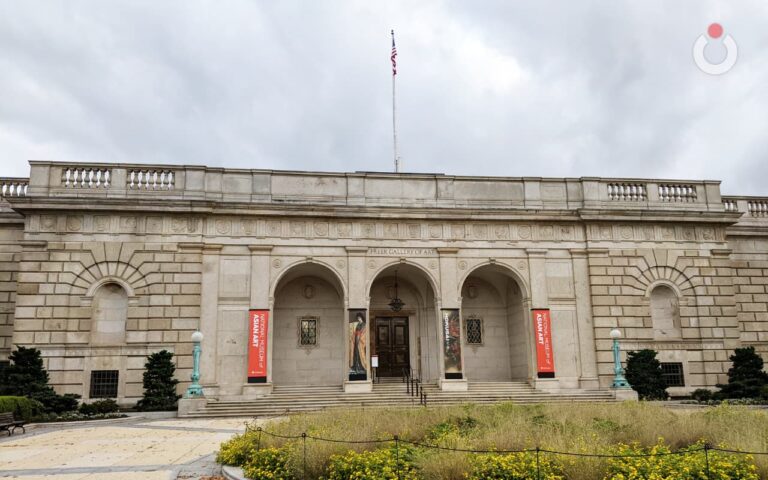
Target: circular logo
<point>714,35</point>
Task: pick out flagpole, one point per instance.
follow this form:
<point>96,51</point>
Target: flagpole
<point>394,106</point>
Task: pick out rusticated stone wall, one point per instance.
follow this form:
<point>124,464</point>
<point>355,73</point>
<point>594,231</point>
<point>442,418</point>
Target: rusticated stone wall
<point>54,307</point>
<point>10,236</point>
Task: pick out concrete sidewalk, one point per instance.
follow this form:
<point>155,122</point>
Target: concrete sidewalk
<point>142,449</point>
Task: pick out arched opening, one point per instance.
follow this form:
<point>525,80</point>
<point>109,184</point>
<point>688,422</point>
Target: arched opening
<point>110,312</point>
<point>407,338</point>
<point>308,334</point>
<point>665,313</point>
<point>496,340</point>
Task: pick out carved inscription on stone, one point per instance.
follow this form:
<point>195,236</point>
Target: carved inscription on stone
<point>403,252</point>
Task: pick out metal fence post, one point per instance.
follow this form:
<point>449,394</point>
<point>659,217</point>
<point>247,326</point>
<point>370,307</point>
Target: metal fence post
<point>258,439</point>
<point>706,458</point>
<point>397,456</point>
<point>304,461</point>
<point>538,465</point>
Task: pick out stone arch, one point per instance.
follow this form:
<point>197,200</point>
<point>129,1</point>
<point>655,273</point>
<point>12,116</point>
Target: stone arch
<point>109,314</point>
<point>338,280</point>
<point>407,338</point>
<point>433,282</point>
<point>494,298</point>
<point>309,296</point>
<point>511,272</point>
<point>130,277</point>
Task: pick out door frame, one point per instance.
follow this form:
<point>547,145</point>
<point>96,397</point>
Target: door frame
<point>407,314</point>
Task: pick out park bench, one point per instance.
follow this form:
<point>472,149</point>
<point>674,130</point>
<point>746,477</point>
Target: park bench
<point>10,424</point>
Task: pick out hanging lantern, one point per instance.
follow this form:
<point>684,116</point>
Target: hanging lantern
<point>396,304</point>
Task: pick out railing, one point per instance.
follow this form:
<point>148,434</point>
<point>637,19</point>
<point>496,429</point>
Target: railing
<point>86,177</point>
<point>150,179</point>
<point>414,387</point>
<point>757,208</point>
<point>677,193</point>
<point>730,205</point>
<point>627,192</point>
<point>13,187</point>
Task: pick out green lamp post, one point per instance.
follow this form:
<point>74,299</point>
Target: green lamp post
<point>195,389</point>
<point>618,372</point>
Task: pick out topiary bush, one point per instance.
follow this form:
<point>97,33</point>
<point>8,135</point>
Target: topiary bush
<point>159,383</point>
<point>645,376</point>
<point>514,466</point>
<point>23,408</point>
<point>383,464</point>
<point>746,377</point>
<point>26,377</point>
<point>689,466</point>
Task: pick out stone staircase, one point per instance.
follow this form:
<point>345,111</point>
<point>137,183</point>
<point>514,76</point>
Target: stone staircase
<point>287,399</point>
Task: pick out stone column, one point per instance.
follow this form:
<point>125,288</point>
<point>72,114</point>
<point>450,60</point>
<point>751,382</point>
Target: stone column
<point>209,303</point>
<point>357,298</point>
<point>587,349</point>
<point>450,297</point>
<point>259,298</point>
<point>537,266</point>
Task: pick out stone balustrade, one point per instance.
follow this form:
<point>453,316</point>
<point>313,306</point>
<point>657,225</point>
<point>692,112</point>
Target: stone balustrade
<point>13,187</point>
<point>377,190</point>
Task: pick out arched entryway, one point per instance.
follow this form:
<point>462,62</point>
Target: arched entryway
<point>308,336</point>
<point>496,336</point>
<point>407,338</point>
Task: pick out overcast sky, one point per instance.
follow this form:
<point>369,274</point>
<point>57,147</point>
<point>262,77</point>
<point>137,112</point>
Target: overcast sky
<point>535,88</point>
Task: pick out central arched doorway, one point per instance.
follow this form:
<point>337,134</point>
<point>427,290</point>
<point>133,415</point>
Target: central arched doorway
<point>496,335</point>
<point>309,325</point>
<point>407,338</point>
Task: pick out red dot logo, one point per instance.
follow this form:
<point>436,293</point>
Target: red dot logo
<point>714,32</point>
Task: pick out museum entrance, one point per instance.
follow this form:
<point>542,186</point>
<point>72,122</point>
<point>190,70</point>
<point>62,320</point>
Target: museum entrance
<point>391,345</point>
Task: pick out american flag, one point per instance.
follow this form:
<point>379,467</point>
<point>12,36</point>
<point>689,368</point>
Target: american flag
<point>394,55</point>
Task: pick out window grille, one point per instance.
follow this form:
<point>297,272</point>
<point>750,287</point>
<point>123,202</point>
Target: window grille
<point>308,331</point>
<point>673,374</point>
<point>104,383</point>
<point>474,331</point>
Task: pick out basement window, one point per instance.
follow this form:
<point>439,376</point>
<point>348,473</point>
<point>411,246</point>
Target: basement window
<point>673,374</point>
<point>104,383</point>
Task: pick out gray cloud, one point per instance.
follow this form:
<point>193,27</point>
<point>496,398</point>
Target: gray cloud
<point>494,87</point>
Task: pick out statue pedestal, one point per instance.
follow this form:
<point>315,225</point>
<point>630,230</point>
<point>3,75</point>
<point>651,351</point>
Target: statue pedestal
<point>625,394</point>
<point>187,405</point>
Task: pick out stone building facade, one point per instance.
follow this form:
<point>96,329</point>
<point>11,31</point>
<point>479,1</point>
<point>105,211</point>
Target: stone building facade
<point>102,264</point>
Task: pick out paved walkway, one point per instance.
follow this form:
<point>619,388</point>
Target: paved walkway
<point>141,449</point>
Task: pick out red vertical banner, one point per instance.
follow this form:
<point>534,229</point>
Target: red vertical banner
<point>258,324</point>
<point>542,330</point>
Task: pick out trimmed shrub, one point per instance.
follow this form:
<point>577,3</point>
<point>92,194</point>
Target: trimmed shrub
<point>690,466</point>
<point>269,463</point>
<point>23,408</point>
<point>645,375</point>
<point>25,376</point>
<point>746,377</point>
<point>380,464</point>
<point>99,407</point>
<point>159,383</point>
<point>702,395</point>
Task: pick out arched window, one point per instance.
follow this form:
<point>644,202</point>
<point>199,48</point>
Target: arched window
<point>110,311</point>
<point>665,313</point>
